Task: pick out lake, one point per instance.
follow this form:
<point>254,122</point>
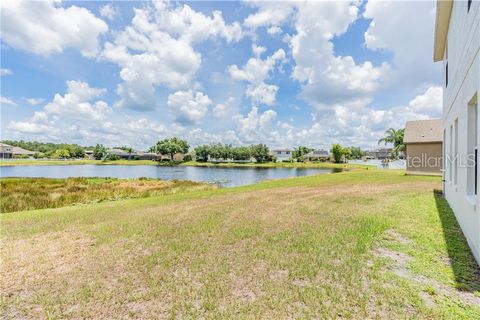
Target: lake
<point>222,176</point>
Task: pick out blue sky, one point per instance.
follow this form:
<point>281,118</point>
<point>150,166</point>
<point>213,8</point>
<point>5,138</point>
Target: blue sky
<point>282,73</point>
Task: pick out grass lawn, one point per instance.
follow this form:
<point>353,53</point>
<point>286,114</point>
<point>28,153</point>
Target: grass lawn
<point>39,193</point>
<point>359,244</point>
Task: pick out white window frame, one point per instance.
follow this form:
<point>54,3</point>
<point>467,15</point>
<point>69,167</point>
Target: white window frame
<point>455,168</point>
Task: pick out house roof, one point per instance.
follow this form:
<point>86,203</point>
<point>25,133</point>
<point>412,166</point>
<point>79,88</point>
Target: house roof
<point>381,150</point>
<point>118,152</point>
<point>442,21</point>
<point>18,150</point>
<point>318,153</point>
<point>6,148</point>
<point>423,131</point>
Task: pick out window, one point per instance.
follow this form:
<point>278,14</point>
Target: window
<point>455,168</point>
<point>469,5</point>
<point>446,75</point>
<point>450,160</point>
<point>444,154</point>
<point>288,152</point>
<point>472,139</point>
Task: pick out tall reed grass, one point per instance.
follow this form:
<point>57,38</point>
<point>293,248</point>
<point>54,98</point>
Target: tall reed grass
<point>18,194</point>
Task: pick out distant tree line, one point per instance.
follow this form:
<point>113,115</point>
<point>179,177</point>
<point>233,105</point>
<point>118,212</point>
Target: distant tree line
<point>174,145</point>
<point>259,152</point>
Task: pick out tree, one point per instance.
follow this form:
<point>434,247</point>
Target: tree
<point>38,155</point>
<point>241,153</point>
<point>347,153</point>
<point>75,150</point>
<point>202,152</point>
<point>356,153</point>
<point>260,152</point>
<point>128,150</point>
<point>338,153</point>
<point>171,146</point>
<point>62,154</point>
<point>99,152</point>
<point>299,152</point>
<point>394,137</point>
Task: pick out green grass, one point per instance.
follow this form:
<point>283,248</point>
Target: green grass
<point>39,193</point>
<point>292,248</point>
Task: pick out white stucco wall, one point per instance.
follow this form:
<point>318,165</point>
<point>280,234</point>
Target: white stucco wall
<point>463,44</point>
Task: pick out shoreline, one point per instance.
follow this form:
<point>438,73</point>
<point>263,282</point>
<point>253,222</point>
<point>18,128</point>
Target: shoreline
<point>326,165</point>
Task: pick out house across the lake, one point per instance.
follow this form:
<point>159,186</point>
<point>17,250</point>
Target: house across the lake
<point>6,151</point>
<point>147,156</point>
<point>9,152</point>
<point>380,154</point>
<point>120,153</point>
<point>457,45</point>
<point>423,142</point>
<point>317,155</point>
<point>282,154</point>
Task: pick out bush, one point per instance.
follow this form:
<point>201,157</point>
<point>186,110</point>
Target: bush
<point>20,156</point>
<point>113,157</point>
<point>188,157</point>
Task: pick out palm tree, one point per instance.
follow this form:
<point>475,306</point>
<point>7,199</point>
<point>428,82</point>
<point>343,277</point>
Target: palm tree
<point>128,150</point>
<point>396,138</point>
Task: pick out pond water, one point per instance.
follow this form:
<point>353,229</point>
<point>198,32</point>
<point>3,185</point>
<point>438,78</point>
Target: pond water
<point>225,177</point>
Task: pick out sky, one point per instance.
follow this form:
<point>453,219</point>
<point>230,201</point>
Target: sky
<point>285,74</point>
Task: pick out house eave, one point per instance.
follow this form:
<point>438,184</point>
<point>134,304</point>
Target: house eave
<point>442,21</point>
<point>422,142</point>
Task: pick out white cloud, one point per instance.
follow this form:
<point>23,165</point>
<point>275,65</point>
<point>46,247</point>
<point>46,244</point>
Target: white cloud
<point>188,107</point>
<point>45,27</point>
<point>388,31</point>
<point>274,30</point>
<point>38,124</point>
<point>255,72</point>
<point>329,79</point>
<point>258,50</point>
<point>191,26</point>
<point>425,106</point>
<point>34,101</point>
<point>108,11</point>
<point>157,49</point>
<point>7,101</point>
<point>269,14</point>
<point>5,72</point>
<point>220,111</point>
<point>29,127</point>
<point>80,102</point>
<point>257,126</point>
<point>262,93</point>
